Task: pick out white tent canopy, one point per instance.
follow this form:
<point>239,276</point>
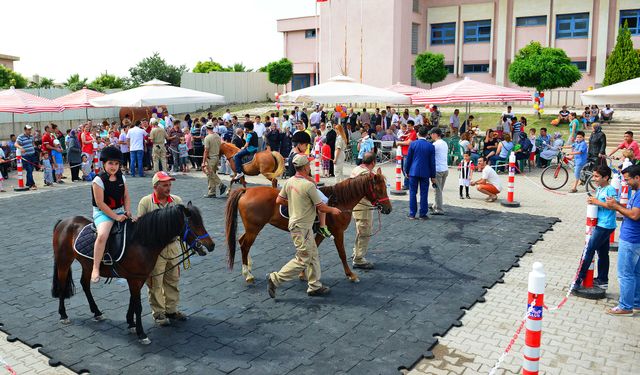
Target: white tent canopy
<point>156,92</point>
<point>627,92</point>
<point>342,89</point>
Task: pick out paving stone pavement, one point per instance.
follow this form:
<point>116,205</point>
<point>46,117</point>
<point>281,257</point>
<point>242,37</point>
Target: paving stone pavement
<point>384,323</point>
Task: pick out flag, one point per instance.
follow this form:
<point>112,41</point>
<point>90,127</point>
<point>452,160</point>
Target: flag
<point>321,1</point>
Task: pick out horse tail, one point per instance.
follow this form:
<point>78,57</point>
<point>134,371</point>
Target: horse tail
<point>60,288</point>
<point>231,228</point>
<point>279,169</point>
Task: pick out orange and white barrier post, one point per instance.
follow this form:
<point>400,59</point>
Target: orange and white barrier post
<point>533,325</point>
<point>509,202</point>
<point>398,190</point>
<point>21,186</point>
<point>588,290</point>
<point>316,152</point>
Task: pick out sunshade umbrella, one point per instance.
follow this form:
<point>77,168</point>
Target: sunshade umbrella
<point>627,92</point>
<point>342,89</point>
<point>470,91</point>
<point>406,89</point>
<point>78,100</point>
<point>18,101</point>
<point>156,92</point>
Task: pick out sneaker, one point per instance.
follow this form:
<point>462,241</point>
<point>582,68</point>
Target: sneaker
<point>178,316</point>
<point>209,196</point>
<point>271,287</point>
<point>173,174</point>
<point>363,266</point>
<point>411,217</point>
<point>223,188</point>
<point>324,231</point>
<point>468,197</point>
<point>322,291</point>
<point>617,311</point>
<point>600,284</point>
<point>424,217</point>
<point>461,197</point>
<point>438,212</point>
<point>161,320</point>
<point>238,177</point>
<point>636,309</point>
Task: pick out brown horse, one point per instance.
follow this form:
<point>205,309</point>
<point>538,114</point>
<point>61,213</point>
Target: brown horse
<point>268,163</point>
<point>138,113</point>
<point>150,234</point>
<point>258,208</point>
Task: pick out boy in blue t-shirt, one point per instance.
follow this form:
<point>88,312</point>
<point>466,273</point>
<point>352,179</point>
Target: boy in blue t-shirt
<point>579,154</point>
<point>606,225</point>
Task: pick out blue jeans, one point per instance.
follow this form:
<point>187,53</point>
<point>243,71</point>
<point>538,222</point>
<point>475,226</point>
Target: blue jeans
<point>629,274</point>
<point>237,158</point>
<point>599,242</point>
<point>423,184</point>
<point>27,164</point>
<point>405,173</point>
<point>136,161</point>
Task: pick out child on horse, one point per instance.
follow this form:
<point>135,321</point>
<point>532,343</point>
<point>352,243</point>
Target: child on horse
<point>250,148</point>
<point>301,141</point>
<point>110,198</point>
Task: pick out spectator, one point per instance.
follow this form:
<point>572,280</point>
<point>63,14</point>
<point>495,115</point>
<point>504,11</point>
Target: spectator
<point>435,116</point>
<point>442,168</point>
<point>524,150</point>
<point>136,137</point>
<point>628,144</point>
<point>376,118</point>
<point>124,148</point>
<point>87,140</point>
<point>579,155</point>
<point>466,146</point>
<point>421,167</point>
<point>628,247</point>
<point>563,115</point>
<point>364,145</point>
<point>25,143</point>
<point>574,126</point>
<point>551,150</point>
<point>490,144</point>
<point>595,114</point>
<point>2,169</point>
<point>586,115</point>
<point>339,154</point>
<point>331,137</point>
<point>365,118</point>
<point>259,129</point>
<point>541,142</point>
<point>238,138</point>
<point>173,136</point>
<point>158,137</point>
<point>466,168</point>
<point>510,114</point>
<point>315,118</point>
<point>57,159</point>
<point>597,144</point>
<point>379,132</point>
<point>606,114</point>
<point>502,152</point>
<point>418,119</point>
<point>285,143</point>
<point>74,156</point>
<point>404,141</point>
<point>454,122</point>
<point>532,154</point>
<point>467,124</point>
<point>274,137</point>
<point>519,126</point>
<point>505,125</point>
<point>388,136</point>
<point>489,184</point>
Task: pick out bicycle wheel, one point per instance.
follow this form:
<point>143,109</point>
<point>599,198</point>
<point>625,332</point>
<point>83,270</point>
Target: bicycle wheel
<point>590,186</point>
<point>554,177</point>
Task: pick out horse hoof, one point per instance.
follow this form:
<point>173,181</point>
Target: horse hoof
<point>99,318</point>
<point>354,279</point>
<point>250,280</point>
<point>144,341</point>
<point>65,321</point>
<point>132,329</point>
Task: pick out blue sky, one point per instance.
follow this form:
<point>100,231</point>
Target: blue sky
<point>58,38</point>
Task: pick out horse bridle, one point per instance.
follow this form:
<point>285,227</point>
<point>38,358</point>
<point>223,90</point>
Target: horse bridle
<point>195,244</point>
<point>377,202</point>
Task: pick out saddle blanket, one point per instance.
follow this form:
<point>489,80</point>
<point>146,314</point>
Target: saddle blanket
<point>114,249</point>
<point>284,212</point>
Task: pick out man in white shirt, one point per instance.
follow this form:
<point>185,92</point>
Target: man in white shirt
<point>227,115</point>
<point>136,146</point>
<point>259,129</point>
<point>607,114</point>
<point>490,183</point>
<point>417,118</point>
<point>454,122</point>
<point>314,119</point>
<point>395,119</point>
<point>509,113</point>
<point>442,168</point>
<point>168,120</point>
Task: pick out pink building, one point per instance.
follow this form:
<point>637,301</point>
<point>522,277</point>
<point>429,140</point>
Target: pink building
<point>377,40</point>
<point>7,60</point>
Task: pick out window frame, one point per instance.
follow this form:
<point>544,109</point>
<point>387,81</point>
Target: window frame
<point>450,68</point>
<point>579,63</point>
<point>525,21</point>
<point>475,26</point>
<point>634,30</point>
<point>415,41</point>
<point>443,28</point>
<point>414,80</point>
<point>571,19</point>
<point>307,32</point>
<point>476,68</point>
<point>416,6</point>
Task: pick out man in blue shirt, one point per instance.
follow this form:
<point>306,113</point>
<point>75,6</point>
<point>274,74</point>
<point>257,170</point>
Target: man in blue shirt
<point>421,167</point>
<point>579,152</point>
<point>628,247</point>
<point>26,146</point>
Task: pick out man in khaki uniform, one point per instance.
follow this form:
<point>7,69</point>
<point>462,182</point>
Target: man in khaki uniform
<point>163,288</point>
<point>210,160</point>
<point>364,216</point>
<point>302,198</point>
<point>159,152</point>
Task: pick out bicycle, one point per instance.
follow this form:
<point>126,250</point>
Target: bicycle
<point>556,176</point>
<point>590,186</point>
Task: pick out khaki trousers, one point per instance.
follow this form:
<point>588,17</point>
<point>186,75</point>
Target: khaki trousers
<point>363,235</point>
<point>307,259</point>
<point>164,293</point>
<point>212,175</point>
<point>338,169</point>
<point>159,156</point>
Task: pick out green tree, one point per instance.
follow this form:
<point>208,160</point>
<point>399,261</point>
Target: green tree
<point>623,63</point>
<point>10,78</point>
<point>106,81</point>
<point>208,66</point>
<point>43,83</point>
<point>156,67</point>
<point>74,83</point>
<point>238,67</point>
<point>430,68</point>
<point>262,69</point>
<point>543,68</point>
<point>280,72</point>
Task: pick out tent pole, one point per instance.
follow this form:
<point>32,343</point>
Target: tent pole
<point>13,120</point>
<point>86,112</point>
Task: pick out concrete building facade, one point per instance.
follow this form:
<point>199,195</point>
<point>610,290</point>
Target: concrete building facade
<point>377,41</point>
<point>7,60</point>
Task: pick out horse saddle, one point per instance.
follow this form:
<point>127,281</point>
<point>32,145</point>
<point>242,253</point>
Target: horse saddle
<point>284,212</point>
<point>114,249</point>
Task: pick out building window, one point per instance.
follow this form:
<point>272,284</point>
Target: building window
<point>310,34</point>
<point>415,31</point>
<point>632,17</point>
<point>477,31</point>
<point>531,21</point>
<point>449,68</point>
<point>416,6</point>
<point>476,68</point>
<point>414,80</point>
<point>572,25</point>
<point>581,65</point>
<point>443,33</point>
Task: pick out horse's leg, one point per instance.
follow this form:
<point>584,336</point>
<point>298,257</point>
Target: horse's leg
<point>246,241</point>
<point>131,324</point>
<point>135,285</point>
<point>63,279</point>
<point>338,236</point>
<point>85,281</point>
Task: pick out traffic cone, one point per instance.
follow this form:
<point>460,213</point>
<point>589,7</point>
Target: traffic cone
<point>588,290</point>
<point>398,190</point>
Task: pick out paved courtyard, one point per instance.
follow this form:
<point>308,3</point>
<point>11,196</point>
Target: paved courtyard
<point>426,273</point>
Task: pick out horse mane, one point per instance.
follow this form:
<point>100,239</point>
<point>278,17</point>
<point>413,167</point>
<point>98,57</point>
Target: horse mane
<point>158,227</point>
<point>348,191</point>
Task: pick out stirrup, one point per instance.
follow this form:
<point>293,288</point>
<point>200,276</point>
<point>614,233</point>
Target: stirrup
<point>107,260</point>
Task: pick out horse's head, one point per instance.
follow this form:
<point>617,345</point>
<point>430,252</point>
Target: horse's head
<point>377,192</point>
<point>195,235</point>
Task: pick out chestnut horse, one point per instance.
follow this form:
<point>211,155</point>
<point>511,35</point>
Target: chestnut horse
<point>257,207</point>
<point>268,163</point>
<point>138,113</point>
<point>150,234</point>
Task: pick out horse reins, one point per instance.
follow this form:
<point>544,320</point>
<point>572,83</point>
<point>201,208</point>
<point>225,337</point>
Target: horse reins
<point>375,206</point>
<point>188,251</point>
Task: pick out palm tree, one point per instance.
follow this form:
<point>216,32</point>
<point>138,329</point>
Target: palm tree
<point>238,67</point>
<point>74,83</point>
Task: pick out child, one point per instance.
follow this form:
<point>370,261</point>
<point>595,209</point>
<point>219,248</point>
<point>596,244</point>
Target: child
<point>532,156</point>
<point>466,168</point>
<point>629,159</point>
<point>56,155</point>
<point>183,149</point>
<point>579,156</point>
<point>100,146</point>
<point>326,159</point>
<point>2,161</point>
<point>48,168</point>
<point>87,168</point>
<point>113,139</point>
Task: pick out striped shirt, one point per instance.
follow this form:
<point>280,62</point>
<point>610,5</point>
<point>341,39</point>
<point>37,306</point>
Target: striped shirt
<point>26,141</point>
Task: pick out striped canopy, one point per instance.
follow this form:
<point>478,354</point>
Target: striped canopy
<point>470,91</point>
<point>78,99</point>
<point>17,101</point>
<point>406,89</point>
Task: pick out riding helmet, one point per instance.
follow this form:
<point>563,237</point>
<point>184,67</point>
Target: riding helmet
<point>110,153</point>
<point>301,137</point>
